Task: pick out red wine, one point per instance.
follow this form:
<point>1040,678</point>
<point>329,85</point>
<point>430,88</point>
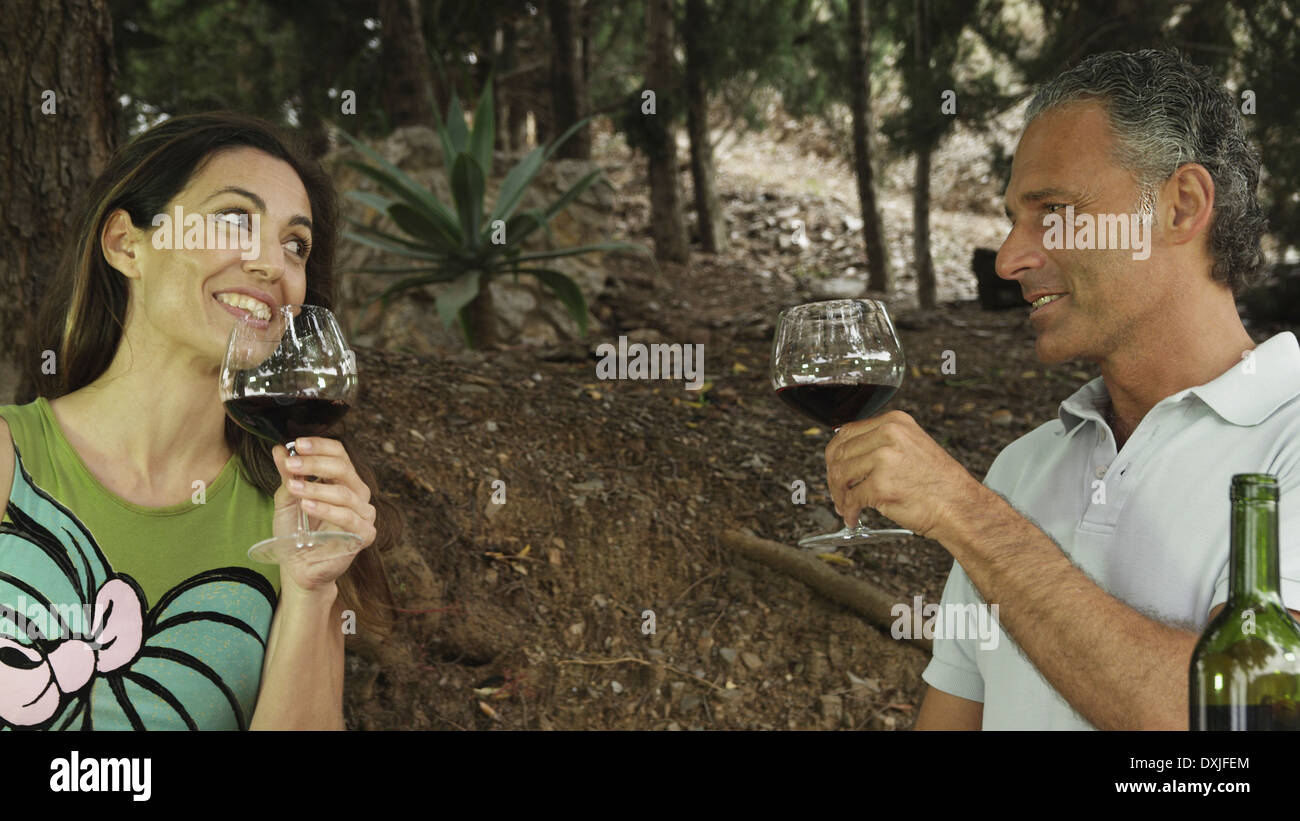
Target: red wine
<point>281,418</point>
<point>835,404</point>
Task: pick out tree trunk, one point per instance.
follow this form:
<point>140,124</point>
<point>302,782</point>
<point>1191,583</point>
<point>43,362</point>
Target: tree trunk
<point>708,210</point>
<point>65,48</point>
<point>404,63</point>
<point>925,284</point>
<point>568,91</point>
<point>482,315</point>
<point>666,223</point>
<point>873,234</point>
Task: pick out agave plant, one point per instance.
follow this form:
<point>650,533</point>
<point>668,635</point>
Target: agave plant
<point>462,244</point>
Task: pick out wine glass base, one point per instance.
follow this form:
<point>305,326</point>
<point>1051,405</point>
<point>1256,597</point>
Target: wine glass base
<point>318,546</point>
<point>828,542</point>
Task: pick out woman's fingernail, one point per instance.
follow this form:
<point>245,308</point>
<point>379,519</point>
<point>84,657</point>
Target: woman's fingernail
<point>309,504</point>
<point>295,485</point>
<point>304,444</point>
<point>293,462</point>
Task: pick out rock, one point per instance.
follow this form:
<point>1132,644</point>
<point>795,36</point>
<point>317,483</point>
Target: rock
<point>704,645</point>
<point>491,426</point>
<point>600,601</point>
<point>751,660</point>
<point>818,665</point>
<point>832,710</point>
<point>674,727</point>
<point>728,655</point>
<point>576,628</point>
<point>616,687</point>
<point>852,223</point>
<point>1002,416</point>
<point>824,519</point>
<point>690,703</point>
<point>389,447</point>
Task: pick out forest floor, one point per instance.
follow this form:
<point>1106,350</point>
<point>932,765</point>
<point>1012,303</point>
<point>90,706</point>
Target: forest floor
<point>529,614</point>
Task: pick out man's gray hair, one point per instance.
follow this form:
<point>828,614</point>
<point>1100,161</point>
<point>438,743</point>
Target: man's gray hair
<point>1166,111</point>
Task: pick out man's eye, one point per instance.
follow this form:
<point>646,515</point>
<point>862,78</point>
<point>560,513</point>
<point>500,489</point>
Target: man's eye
<point>1049,206</point>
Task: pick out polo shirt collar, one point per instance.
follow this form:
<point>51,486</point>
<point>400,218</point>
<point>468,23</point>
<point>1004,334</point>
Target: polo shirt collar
<point>1240,398</point>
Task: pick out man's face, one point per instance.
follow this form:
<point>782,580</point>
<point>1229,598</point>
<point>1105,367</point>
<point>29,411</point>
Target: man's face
<point>1111,299</point>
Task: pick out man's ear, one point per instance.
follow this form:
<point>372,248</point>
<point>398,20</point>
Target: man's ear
<point>1189,193</point>
<point>120,240</point>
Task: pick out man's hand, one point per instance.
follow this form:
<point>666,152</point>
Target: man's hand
<point>889,463</point>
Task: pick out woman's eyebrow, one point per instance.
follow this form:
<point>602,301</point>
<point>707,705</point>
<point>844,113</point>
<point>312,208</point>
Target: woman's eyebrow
<point>297,219</point>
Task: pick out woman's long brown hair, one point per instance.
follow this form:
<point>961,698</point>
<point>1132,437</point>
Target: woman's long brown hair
<point>84,306</point>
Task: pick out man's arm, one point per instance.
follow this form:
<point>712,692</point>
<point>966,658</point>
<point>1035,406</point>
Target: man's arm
<point>1118,668</point>
<point>944,711</point>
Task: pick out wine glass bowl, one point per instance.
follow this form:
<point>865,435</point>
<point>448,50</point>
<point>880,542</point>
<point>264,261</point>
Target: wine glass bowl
<point>837,362</point>
<point>288,377</point>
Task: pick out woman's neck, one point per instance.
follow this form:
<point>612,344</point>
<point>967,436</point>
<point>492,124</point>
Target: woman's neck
<point>154,414</point>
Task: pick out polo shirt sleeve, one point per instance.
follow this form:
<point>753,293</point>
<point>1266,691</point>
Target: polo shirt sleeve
<point>1288,548</point>
<point>952,668</point>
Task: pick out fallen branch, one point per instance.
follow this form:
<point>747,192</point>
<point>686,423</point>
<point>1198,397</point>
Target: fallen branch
<point>866,599</point>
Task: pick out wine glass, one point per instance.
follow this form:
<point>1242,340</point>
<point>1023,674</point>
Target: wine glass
<point>837,361</point>
<point>289,376</point>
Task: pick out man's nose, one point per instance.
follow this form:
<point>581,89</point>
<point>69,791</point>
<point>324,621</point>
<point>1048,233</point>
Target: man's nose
<point>1020,252</point>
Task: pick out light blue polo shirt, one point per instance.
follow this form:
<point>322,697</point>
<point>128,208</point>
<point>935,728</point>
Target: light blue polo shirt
<point>1157,536</point>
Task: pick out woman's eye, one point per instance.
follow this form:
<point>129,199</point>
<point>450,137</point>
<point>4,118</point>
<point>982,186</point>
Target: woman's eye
<point>241,218</point>
<point>1049,206</point>
<point>301,247</point>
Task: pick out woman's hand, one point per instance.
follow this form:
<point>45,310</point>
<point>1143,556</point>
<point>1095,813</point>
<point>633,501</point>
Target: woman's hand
<point>340,502</point>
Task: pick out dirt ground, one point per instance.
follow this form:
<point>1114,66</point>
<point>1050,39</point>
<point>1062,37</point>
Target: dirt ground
<point>529,614</point>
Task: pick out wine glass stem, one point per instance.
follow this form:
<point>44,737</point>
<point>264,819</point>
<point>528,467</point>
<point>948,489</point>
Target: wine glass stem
<point>303,528</point>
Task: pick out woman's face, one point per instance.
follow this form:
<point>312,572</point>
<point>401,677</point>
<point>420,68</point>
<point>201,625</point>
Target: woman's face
<point>188,294</point>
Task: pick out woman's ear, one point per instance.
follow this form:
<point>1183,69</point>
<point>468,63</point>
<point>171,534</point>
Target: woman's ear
<point>119,240</point>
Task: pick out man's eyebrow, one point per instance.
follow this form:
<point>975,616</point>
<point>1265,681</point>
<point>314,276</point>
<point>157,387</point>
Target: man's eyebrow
<point>1039,194</point>
<point>298,219</point>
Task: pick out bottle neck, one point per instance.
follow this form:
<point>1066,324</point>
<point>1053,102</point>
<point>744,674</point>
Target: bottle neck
<point>1254,571</point>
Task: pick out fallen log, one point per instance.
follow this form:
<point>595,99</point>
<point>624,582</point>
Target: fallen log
<point>866,599</point>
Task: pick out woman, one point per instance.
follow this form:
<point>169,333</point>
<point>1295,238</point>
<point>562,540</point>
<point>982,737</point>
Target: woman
<point>126,596</point>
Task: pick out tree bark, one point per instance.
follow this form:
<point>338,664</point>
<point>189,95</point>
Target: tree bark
<point>708,209</point>
<point>404,62</point>
<point>568,90</point>
<point>925,284</point>
<point>66,48</point>
<point>873,234</point>
<point>666,223</point>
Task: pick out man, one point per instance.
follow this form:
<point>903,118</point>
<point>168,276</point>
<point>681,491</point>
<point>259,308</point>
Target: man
<point>1103,534</point>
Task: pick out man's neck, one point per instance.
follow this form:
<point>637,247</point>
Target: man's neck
<point>1175,357</point>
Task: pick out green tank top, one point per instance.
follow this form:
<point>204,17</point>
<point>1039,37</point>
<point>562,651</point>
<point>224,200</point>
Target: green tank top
<point>119,616</point>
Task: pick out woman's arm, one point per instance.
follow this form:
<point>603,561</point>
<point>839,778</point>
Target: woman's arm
<point>302,673</point>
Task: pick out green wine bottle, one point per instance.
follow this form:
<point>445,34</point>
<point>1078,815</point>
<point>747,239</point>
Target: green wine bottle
<point>1245,672</point>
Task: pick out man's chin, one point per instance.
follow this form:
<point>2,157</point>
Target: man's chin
<point>1049,351</point>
